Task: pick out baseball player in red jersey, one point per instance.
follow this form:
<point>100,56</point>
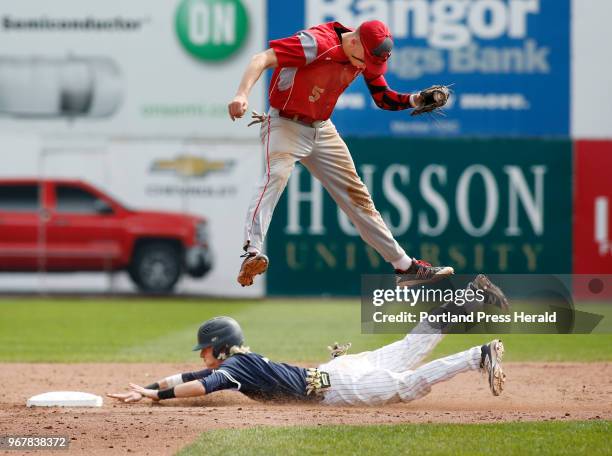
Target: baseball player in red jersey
<point>312,69</point>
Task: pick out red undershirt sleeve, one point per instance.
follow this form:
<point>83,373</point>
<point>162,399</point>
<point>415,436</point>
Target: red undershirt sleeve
<point>384,97</point>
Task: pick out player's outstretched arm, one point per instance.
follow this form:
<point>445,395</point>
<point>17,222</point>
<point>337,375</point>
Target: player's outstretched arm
<point>162,384</point>
<point>259,62</point>
<point>387,98</point>
<point>177,379</point>
<point>190,389</point>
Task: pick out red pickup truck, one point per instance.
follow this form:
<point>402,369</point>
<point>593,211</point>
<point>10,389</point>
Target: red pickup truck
<point>58,225</point>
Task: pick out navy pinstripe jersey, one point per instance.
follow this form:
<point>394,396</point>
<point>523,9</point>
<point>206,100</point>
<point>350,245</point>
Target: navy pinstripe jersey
<point>255,376</point>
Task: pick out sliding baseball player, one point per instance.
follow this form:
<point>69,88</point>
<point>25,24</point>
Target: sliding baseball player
<point>389,374</point>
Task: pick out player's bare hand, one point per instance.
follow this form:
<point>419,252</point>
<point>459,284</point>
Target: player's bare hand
<point>132,396</point>
<point>151,394</point>
<point>238,107</point>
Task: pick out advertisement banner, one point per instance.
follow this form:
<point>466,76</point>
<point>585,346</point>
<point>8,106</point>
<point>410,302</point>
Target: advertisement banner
<point>590,28</point>
<point>593,208</point>
<point>493,206</point>
<point>136,68</point>
<point>507,60</point>
<point>125,206</point>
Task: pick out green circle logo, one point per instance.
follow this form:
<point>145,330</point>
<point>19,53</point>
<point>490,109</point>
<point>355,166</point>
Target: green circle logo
<point>211,29</point>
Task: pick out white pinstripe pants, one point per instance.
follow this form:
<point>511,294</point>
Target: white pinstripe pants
<point>385,375</point>
<point>323,152</point>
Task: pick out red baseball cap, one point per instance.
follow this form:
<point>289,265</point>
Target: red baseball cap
<point>377,44</point>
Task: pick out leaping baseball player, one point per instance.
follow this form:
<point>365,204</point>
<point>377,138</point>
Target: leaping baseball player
<point>387,375</point>
<point>312,69</point>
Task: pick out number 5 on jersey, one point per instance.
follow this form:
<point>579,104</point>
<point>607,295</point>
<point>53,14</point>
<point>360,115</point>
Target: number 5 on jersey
<point>316,94</point>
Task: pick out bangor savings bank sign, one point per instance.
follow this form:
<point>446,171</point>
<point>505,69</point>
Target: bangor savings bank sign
<point>497,206</point>
<point>501,55</point>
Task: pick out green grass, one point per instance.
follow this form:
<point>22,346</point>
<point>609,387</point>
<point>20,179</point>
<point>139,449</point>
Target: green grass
<point>542,438</point>
<point>93,330</point>
<point>76,330</point>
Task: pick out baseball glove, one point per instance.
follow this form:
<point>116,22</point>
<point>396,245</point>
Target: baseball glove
<point>337,349</point>
<point>434,98</point>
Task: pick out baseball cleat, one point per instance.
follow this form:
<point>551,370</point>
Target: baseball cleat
<point>421,272</point>
<point>253,264</point>
<point>494,296</point>
<point>490,363</point>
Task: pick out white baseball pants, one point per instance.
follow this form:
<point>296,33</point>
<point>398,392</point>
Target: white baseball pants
<point>388,375</point>
<point>323,152</point>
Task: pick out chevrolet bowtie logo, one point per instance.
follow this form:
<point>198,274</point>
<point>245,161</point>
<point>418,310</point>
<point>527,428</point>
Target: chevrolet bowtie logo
<point>190,166</point>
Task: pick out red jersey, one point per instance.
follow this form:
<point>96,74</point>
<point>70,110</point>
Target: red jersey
<point>312,72</point>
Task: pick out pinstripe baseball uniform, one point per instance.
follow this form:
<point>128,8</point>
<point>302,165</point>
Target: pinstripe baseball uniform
<point>390,374</point>
<point>313,71</point>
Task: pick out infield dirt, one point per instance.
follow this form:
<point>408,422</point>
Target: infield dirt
<point>534,391</point>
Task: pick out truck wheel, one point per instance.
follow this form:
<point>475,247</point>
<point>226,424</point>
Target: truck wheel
<point>156,267</point>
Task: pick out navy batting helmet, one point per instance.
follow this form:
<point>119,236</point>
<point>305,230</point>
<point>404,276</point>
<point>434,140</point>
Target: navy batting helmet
<point>220,333</point>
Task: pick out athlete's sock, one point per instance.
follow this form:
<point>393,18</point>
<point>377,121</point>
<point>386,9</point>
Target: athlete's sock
<point>251,249</point>
<point>403,264</point>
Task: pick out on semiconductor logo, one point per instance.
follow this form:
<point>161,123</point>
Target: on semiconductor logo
<point>211,29</point>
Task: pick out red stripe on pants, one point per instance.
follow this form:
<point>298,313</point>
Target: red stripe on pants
<point>268,180</point>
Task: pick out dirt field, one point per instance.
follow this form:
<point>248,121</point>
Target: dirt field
<point>534,391</point>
